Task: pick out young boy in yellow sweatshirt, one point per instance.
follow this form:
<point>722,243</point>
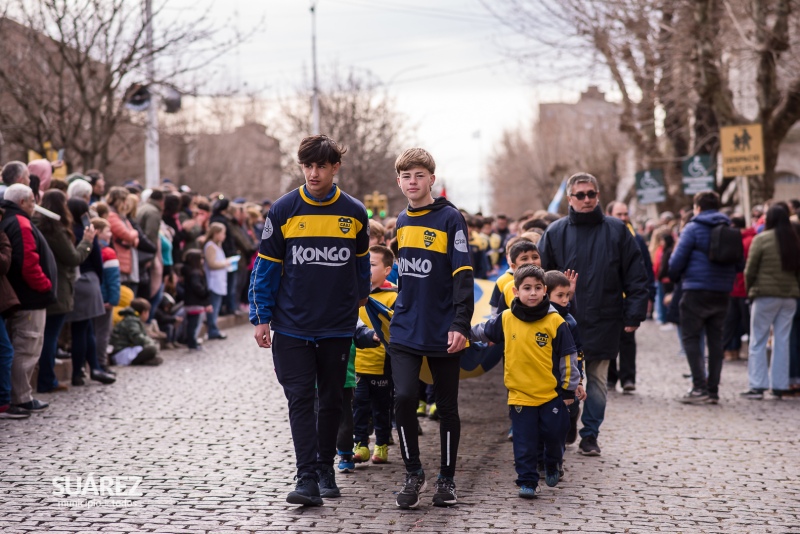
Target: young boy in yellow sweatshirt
<point>540,372</point>
<point>373,394</point>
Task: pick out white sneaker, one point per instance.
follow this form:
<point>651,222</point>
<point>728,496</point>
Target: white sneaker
<point>667,327</point>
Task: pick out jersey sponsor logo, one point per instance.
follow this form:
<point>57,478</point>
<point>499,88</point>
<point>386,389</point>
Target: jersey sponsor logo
<point>541,339</point>
<point>302,225</point>
<point>460,241</point>
<point>345,223</point>
<point>428,237</point>
<point>416,267</point>
<point>267,232</point>
<point>328,256</point>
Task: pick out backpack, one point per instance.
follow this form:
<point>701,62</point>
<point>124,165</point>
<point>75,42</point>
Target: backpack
<point>726,245</point>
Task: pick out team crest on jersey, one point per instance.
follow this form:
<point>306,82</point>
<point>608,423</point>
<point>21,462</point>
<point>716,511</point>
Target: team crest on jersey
<point>541,339</point>
<point>267,232</point>
<point>429,237</point>
<point>345,223</point>
<point>518,409</point>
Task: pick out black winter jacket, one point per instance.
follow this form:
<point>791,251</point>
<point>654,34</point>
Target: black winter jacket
<point>609,264</point>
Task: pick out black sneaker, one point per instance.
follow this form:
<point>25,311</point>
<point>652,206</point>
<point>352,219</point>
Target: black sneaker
<point>13,412</point>
<point>695,396</point>
<point>327,483</point>
<point>713,398</point>
<point>409,495</point>
<point>306,492</point>
<point>589,447</point>
<point>444,492</point>
<point>34,405</point>
<point>628,387</point>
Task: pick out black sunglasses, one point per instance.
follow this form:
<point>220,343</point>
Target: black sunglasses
<point>582,195</point>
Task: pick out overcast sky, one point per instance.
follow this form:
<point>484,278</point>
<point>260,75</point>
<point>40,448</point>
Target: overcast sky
<point>443,62</point>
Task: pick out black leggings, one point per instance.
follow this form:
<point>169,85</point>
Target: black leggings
<point>445,369</point>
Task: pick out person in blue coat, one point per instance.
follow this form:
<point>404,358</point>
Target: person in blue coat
<point>706,287</point>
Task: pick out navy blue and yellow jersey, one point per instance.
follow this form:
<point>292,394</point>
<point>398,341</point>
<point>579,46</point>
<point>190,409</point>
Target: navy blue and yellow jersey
<point>312,266</point>
<point>497,294</point>
<point>372,361</point>
<point>540,356</point>
<point>436,292</point>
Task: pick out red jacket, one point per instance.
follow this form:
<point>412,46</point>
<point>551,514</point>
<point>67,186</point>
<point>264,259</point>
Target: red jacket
<point>33,267</point>
<point>739,289</point>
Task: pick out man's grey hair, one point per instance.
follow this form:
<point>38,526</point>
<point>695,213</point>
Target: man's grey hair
<point>13,171</point>
<point>17,193</point>
<point>80,189</point>
<point>581,178</point>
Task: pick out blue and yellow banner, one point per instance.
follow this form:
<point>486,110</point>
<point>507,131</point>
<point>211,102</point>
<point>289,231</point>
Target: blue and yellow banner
<point>477,359</point>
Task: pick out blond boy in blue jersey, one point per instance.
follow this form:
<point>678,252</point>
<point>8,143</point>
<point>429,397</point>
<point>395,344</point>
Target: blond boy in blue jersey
<point>540,372</point>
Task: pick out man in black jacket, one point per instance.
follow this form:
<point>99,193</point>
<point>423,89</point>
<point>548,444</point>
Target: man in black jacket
<point>609,265</point>
<point>627,343</point>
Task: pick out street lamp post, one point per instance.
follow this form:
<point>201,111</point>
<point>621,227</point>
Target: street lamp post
<point>315,94</point>
<point>151,153</point>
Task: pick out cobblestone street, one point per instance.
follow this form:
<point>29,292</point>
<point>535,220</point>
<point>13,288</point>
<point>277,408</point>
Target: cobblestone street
<point>208,434</point>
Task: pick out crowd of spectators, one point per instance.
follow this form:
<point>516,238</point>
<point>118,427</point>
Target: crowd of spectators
<point>107,277</point>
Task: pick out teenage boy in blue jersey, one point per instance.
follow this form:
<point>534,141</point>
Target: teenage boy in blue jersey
<point>432,317</point>
<point>311,275</point>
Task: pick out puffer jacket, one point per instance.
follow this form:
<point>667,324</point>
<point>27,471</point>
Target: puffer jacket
<point>609,264</point>
<point>125,238</point>
<point>130,332</point>
<point>689,262</point>
<point>764,275</point>
<point>33,273</point>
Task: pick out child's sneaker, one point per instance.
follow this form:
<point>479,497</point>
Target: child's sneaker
<point>421,409</point>
<point>528,492</point>
<point>510,436</point>
<point>360,453</point>
<point>433,413</point>
<point>380,455</point>
<point>551,476</point>
<point>346,463</point>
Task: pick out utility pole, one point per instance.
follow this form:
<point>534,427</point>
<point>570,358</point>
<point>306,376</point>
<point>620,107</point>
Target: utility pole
<point>315,94</point>
<point>151,155</point>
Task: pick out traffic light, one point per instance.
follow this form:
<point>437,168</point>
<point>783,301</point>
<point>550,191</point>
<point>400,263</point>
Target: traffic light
<point>376,203</point>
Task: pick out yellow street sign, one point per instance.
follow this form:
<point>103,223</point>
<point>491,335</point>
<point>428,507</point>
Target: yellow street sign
<point>742,150</point>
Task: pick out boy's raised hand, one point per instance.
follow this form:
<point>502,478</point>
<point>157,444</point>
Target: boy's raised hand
<point>573,280</point>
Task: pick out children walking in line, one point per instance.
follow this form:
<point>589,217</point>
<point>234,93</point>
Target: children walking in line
<point>540,372</point>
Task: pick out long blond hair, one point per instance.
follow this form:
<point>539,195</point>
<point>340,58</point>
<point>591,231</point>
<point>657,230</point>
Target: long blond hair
<point>213,229</point>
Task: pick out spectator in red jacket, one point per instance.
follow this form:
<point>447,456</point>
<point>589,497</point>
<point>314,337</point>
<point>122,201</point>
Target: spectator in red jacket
<point>32,276</point>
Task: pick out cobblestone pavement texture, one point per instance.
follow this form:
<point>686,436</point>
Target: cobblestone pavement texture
<point>208,433</point>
